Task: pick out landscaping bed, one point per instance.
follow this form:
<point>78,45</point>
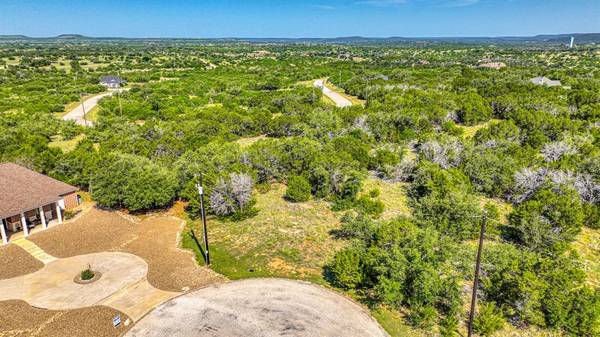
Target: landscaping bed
<point>15,261</point>
<point>20,319</point>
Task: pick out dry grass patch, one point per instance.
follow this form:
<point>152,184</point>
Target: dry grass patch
<point>247,141</point>
<point>284,240</point>
<point>154,238</point>
<point>325,99</point>
<point>587,246</point>
<point>504,208</point>
<point>393,196</point>
<point>470,131</point>
<point>66,145</point>
<point>15,261</point>
<point>20,319</point>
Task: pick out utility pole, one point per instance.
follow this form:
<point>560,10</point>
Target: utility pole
<point>476,279</point>
<point>83,108</point>
<point>203,212</point>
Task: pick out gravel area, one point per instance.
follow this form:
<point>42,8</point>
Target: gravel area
<point>20,319</point>
<point>154,239</point>
<point>15,261</point>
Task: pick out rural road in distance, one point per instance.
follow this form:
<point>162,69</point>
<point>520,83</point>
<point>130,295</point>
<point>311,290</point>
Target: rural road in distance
<point>77,114</point>
<point>339,100</point>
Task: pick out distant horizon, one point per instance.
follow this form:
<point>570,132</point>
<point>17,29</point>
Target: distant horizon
<point>212,19</point>
<point>301,37</point>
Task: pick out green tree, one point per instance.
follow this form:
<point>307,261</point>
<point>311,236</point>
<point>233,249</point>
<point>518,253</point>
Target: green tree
<point>298,189</point>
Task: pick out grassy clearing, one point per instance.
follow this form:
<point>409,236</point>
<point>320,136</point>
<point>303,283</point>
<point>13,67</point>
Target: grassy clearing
<point>503,207</point>
<point>92,115</point>
<point>393,196</point>
<point>325,99</point>
<point>470,131</point>
<point>291,240</point>
<point>587,246</point>
<point>65,145</point>
<point>247,141</point>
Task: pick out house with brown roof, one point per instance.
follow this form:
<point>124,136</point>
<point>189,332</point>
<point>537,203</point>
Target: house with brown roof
<point>29,199</point>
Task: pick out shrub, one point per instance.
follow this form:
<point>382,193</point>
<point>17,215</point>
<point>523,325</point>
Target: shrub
<point>298,189</point>
<point>369,206</point>
<point>547,222</point>
<point>87,274</point>
<point>346,269</point>
<point>488,320</point>
<point>422,316</point>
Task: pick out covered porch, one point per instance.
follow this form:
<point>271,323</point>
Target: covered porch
<point>31,221</point>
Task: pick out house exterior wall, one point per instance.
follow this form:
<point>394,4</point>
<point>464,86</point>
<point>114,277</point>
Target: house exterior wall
<point>70,200</point>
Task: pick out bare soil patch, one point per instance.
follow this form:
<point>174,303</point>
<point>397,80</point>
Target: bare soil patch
<point>154,238</point>
<point>15,261</point>
<point>20,319</point>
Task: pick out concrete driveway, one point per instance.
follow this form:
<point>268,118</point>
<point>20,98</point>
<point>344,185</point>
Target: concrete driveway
<point>340,101</point>
<point>123,285</point>
<point>259,308</point>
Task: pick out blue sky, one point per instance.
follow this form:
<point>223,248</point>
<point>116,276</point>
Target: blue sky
<point>295,18</point>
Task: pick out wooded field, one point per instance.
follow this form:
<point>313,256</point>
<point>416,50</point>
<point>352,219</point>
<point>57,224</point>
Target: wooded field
<point>384,199</point>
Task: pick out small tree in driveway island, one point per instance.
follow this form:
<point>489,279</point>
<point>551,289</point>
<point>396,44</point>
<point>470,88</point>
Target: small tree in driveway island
<point>87,274</point>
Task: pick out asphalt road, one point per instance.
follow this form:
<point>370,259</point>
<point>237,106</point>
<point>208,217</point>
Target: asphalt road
<point>259,308</point>
<point>77,114</point>
<point>339,100</point>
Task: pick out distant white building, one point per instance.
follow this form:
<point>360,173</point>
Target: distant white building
<point>112,82</point>
<point>542,80</point>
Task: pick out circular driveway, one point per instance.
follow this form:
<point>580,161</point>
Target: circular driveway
<point>259,308</point>
<point>52,287</point>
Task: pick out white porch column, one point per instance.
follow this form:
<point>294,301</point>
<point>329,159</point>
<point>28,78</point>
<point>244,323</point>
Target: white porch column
<point>43,217</point>
<point>58,213</point>
<point>24,224</point>
<point>3,232</point>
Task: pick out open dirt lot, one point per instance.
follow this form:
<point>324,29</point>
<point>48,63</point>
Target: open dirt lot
<point>154,239</point>
<point>259,308</point>
<point>15,261</point>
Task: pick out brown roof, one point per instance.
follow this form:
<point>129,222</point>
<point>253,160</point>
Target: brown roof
<point>22,190</point>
